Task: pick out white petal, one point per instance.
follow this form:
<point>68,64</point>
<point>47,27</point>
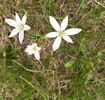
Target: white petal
<point>21,36</point>
<point>67,38</point>
<point>73,31</point>
<point>24,19</point>
<point>57,43</point>
<point>29,50</point>
<point>64,23</point>
<point>52,34</point>
<point>17,18</point>
<point>37,55</point>
<point>54,23</point>
<point>38,48</point>
<point>11,22</point>
<point>34,45</point>
<point>14,32</point>
<point>26,27</point>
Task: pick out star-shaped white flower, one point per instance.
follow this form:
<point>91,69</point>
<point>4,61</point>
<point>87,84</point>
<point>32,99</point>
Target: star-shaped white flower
<point>19,26</point>
<point>33,49</point>
<point>61,32</point>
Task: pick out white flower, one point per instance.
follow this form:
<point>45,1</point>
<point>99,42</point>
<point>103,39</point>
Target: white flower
<point>61,32</point>
<point>19,26</point>
<point>33,49</point>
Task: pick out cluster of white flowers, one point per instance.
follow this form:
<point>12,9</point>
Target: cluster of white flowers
<point>61,33</point>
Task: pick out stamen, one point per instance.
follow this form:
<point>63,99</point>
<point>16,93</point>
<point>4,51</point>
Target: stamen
<point>21,26</point>
<point>60,33</point>
<point>34,48</point>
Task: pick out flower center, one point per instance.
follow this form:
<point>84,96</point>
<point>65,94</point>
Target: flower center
<point>60,33</point>
<point>34,49</point>
<point>21,26</point>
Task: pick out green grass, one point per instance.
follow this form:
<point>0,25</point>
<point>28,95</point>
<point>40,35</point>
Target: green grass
<point>74,72</point>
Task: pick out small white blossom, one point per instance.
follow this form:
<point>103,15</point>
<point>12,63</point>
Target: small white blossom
<point>61,32</point>
<point>33,49</point>
<point>19,26</point>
